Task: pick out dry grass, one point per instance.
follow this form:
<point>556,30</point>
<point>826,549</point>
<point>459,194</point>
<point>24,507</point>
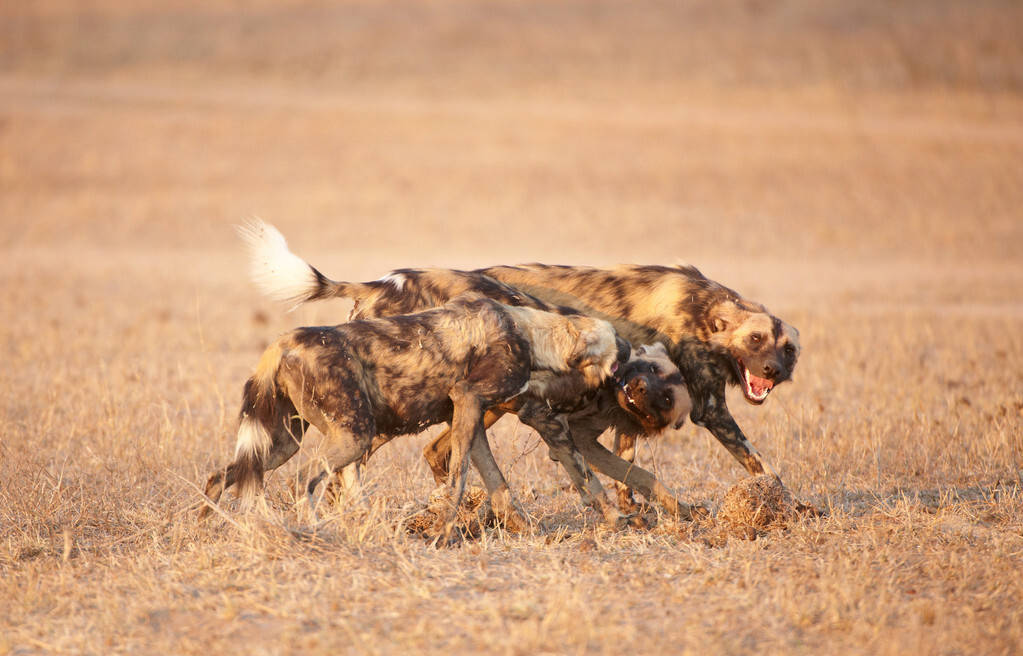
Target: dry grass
<point>854,166</point>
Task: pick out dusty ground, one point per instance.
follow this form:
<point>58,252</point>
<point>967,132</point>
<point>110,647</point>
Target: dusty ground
<point>858,167</point>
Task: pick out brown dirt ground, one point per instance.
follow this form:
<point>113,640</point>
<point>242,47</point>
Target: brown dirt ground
<point>854,166</point>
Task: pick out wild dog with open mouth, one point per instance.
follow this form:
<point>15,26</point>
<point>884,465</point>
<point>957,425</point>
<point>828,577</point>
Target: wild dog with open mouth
<point>714,335</point>
<point>286,277</point>
<point>395,376</point>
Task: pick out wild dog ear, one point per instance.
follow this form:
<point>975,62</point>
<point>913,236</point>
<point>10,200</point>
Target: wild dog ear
<point>657,348</point>
<point>723,315</point>
<point>575,341</point>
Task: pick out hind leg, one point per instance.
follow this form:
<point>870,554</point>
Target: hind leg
<point>348,441</point>
<point>438,452</point>
<point>348,483</point>
<point>286,438</point>
<point>553,429</point>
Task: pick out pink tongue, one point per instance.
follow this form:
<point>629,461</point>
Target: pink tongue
<point>759,385</point>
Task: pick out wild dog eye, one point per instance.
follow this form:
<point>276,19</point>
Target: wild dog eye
<point>790,350</point>
<point>755,338</point>
<point>668,401</point>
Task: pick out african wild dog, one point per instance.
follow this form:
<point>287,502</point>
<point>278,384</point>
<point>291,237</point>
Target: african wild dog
<point>715,336</point>
<point>395,376</point>
<point>646,395</point>
<point>657,383</point>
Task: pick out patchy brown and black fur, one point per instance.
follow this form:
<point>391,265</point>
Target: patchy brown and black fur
<point>388,377</point>
<point>714,335</point>
<point>646,395</point>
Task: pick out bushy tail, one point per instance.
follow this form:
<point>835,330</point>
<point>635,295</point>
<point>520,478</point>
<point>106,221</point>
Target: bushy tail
<point>284,276</point>
<point>258,415</point>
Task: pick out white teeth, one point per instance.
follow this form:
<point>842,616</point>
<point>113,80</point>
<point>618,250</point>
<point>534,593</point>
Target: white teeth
<point>749,388</point>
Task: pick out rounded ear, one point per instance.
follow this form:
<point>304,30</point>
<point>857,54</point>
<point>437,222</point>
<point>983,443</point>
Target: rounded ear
<point>575,342</point>
<point>581,346</point>
<point>657,348</point>
<point>723,315</point>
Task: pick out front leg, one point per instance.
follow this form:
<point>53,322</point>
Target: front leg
<point>502,503</point>
<point>466,427</point>
<point>627,475</point>
<point>712,413</point>
<point>553,429</point>
<point>438,452</point>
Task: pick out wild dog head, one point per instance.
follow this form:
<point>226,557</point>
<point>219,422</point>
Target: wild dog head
<point>762,348</point>
<point>650,388</point>
<point>598,351</point>
<point>575,342</point>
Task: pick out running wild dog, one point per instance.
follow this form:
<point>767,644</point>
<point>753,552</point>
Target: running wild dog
<point>714,335</point>
<point>647,390</point>
<point>396,376</point>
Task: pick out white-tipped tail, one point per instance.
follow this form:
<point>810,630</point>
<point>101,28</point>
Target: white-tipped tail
<point>279,273</point>
<point>253,439</point>
<point>254,444</point>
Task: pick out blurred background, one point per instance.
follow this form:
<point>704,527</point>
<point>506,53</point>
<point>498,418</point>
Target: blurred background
<point>856,166</point>
<point>743,137</point>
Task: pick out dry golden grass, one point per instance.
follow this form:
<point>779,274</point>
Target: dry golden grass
<point>854,166</point>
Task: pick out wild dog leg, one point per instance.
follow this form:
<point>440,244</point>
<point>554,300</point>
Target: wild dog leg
<point>286,439</point>
<point>466,427</point>
<point>719,421</point>
<point>632,476</point>
<point>345,446</point>
<point>502,502</point>
<point>553,428</point>
<point>438,452</point>
<point>625,448</point>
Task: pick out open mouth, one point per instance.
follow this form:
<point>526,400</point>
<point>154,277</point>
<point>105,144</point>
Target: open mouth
<point>632,406</point>
<point>754,388</point>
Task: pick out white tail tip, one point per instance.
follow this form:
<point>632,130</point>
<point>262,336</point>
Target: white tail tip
<point>279,273</point>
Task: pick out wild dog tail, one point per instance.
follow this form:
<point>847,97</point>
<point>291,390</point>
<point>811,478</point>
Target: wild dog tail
<point>258,415</point>
<point>284,276</point>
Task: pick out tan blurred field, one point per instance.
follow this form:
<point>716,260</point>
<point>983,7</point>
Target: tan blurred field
<point>857,167</point>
